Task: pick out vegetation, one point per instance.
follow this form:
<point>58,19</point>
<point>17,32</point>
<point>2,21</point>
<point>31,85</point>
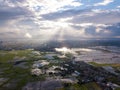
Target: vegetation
<point>19,76</point>
<point>88,86</point>
<point>16,75</point>
<point>6,56</point>
<point>99,65</point>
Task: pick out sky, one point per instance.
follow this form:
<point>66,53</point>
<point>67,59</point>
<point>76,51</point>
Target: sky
<point>59,19</point>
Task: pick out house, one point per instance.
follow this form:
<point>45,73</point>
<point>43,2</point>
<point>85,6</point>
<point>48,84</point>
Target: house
<point>36,72</point>
<point>36,52</point>
<point>50,56</point>
<point>76,73</point>
<point>40,63</point>
<point>52,70</point>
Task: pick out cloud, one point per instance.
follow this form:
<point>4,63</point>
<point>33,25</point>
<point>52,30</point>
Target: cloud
<point>118,6</point>
<point>64,14</point>
<point>105,2</point>
<point>57,19</point>
<point>103,17</point>
<point>115,29</point>
<point>13,13</point>
<point>48,6</point>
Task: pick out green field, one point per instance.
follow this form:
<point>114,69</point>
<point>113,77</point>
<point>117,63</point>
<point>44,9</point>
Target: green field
<point>100,65</point>
<point>11,55</point>
<point>88,86</point>
<point>16,76</point>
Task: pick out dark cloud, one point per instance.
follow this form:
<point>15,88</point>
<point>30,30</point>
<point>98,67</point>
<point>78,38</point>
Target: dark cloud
<point>85,16</point>
<point>102,17</point>
<point>8,12</point>
<point>15,1</point>
<point>76,27</point>
<point>104,32</point>
<point>91,30</point>
<point>114,29</point>
<point>13,13</point>
<point>7,33</point>
<point>109,31</point>
<point>63,14</point>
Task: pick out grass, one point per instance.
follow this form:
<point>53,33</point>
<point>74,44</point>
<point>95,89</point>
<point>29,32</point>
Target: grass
<point>21,75</point>
<point>88,86</point>
<point>92,86</point>
<point>100,65</point>
<point>117,89</point>
<point>10,55</point>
